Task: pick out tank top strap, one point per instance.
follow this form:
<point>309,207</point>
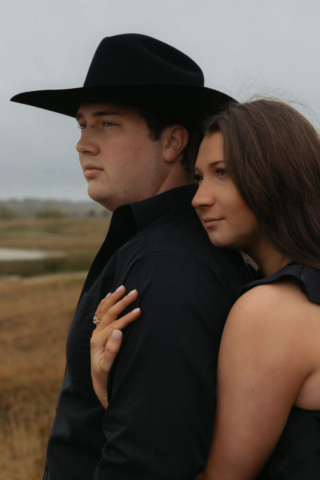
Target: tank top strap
<point>307,278</point>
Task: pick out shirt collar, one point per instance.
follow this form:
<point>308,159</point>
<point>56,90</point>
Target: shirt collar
<point>147,211</point>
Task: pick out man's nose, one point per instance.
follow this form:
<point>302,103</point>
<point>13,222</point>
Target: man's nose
<point>204,197</point>
<point>87,144</point>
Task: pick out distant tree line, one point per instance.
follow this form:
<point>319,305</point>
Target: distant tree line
<point>36,208</point>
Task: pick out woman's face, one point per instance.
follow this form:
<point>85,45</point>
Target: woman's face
<point>224,214</point>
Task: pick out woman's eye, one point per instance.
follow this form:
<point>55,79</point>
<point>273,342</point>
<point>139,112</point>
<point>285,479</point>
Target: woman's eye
<point>81,126</point>
<point>197,179</point>
<point>107,124</point>
<point>221,172</point>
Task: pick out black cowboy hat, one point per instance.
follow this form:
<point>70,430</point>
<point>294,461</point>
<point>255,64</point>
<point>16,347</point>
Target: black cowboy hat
<point>134,69</point>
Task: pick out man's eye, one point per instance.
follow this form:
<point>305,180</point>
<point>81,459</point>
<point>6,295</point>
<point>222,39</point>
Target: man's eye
<point>81,126</point>
<point>107,124</point>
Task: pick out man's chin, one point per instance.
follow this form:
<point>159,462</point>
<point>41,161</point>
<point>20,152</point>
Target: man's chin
<point>98,196</point>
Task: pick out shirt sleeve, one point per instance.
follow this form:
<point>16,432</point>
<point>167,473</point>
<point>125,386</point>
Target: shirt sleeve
<point>161,388</point>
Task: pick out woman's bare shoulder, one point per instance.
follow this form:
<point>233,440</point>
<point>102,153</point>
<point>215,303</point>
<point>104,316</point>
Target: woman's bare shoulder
<point>274,330</point>
<point>274,312</point>
<point>276,299</point>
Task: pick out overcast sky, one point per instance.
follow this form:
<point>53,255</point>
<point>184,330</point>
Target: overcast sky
<point>244,47</point>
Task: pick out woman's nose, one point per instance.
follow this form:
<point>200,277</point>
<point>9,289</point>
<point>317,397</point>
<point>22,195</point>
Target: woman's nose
<point>203,198</point>
<point>87,144</point>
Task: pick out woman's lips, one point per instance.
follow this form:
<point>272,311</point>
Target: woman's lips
<point>210,222</point>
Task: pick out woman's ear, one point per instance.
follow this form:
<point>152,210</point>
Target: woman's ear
<point>175,140</point>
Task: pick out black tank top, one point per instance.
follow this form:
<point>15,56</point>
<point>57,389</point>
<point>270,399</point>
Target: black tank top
<point>297,454</point>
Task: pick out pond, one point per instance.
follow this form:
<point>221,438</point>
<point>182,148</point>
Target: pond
<point>12,254</point>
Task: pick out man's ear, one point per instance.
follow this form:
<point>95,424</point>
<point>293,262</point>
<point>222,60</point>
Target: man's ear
<point>175,140</point>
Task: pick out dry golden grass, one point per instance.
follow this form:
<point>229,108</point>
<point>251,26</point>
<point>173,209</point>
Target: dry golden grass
<point>35,315</point>
<point>34,321</point>
<point>70,235</point>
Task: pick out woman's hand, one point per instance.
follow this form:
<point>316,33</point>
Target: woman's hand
<point>107,337</point>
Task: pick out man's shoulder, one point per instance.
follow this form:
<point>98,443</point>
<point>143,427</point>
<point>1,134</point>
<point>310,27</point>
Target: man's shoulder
<point>179,233</point>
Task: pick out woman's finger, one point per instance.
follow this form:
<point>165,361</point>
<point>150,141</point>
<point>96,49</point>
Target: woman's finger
<point>100,336</point>
<point>109,301</point>
<point>100,371</point>
<point>115,310</point>
<point>111,349</point>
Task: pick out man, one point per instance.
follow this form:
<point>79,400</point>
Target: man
<point>140,102</point>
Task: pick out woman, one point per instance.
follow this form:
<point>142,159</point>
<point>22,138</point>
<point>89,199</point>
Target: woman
<point>258,176</point>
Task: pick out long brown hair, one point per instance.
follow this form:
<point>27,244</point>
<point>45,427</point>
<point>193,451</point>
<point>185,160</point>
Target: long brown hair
<point>273,154</point>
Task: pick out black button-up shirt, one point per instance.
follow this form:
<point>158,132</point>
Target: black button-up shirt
<point>161,388</point>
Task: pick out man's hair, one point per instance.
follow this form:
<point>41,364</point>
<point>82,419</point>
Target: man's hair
<point>156,123</point>
<point>273,154</point>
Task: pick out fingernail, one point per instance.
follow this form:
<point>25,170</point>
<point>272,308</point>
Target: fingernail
<point>136,310</point>
<point>119,288</point>
<point>116,334</point>
<point>132,292</point>
<point>108,295</point>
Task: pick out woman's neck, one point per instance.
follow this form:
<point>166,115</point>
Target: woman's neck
<point>268,259</point>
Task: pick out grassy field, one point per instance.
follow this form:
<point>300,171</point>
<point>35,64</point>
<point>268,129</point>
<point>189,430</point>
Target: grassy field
<point>79,238</point>
<point>35,315</point>
<point>35,233</point>
<point>34,322</point>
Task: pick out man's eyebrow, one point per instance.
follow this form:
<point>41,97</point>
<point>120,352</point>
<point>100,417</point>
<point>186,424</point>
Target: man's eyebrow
<point>99,114</point>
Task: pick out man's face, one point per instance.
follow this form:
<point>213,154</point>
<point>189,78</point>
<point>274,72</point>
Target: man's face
<point>120,161</point>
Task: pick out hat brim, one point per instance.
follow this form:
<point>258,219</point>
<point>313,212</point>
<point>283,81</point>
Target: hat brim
<point>187,100</point>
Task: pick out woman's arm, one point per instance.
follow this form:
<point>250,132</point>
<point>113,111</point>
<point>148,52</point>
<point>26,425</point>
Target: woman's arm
<point>263,361</point>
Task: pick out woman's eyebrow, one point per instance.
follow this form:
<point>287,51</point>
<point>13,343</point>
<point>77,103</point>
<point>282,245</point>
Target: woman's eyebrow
<point>211,164</point>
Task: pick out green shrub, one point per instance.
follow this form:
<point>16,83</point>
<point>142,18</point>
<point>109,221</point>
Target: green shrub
<point>50,212</point>
<point>8,213</point>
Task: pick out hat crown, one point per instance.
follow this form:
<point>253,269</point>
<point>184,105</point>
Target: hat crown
<point>135,59</point>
